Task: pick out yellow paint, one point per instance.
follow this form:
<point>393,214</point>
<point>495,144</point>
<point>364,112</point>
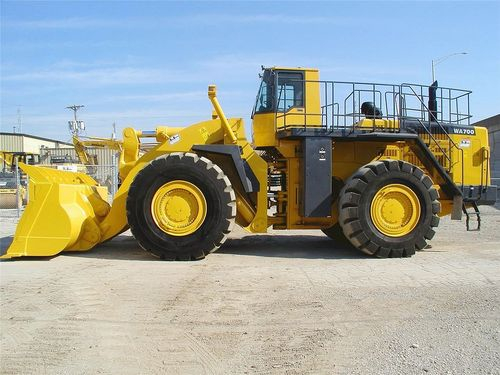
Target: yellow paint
<point>212,95</point>
<point>259,223</point>
<point>264,130</point>
<point>179,208</point>
<point>473,153</point>
<point>374,124</point>
<point>395,210</point>
<point>446,205</point>
<point>204,133</point>
<point>64,212</point>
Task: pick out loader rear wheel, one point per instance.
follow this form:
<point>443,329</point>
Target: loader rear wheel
<point>389,209</point>
<point>181,207</point>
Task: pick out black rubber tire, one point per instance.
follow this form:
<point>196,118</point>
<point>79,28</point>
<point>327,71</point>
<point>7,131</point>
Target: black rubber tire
<point>336,233</point>
<point>355,201</point>
<point>218,193</point>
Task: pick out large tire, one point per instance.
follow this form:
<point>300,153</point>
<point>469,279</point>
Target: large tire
<point>363,189</point>
<point>204,177</point>
<point>336,233</point>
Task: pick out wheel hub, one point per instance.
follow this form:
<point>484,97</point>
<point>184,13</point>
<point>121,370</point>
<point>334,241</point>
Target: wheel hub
<point>395,210</point>
<point>178,208</point>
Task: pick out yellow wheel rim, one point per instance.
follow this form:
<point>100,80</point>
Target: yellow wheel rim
<point>395,210</point>
<point>179,208</point>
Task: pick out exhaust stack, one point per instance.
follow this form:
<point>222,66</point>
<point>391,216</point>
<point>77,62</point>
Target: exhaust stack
<point>433,110</point>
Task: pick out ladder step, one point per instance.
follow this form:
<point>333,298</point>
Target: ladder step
<point>476,213</point>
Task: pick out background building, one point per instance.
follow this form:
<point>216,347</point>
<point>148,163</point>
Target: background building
<point>19,142</point>
<point>493,125</point>
<point>51,151</point>
<point>62,155</point>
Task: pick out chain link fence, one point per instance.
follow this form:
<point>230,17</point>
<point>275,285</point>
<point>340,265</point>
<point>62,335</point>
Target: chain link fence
<point>14,183</point>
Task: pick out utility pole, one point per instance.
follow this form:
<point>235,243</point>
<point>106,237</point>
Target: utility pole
<point>19,120</point>
<point>76,126</point>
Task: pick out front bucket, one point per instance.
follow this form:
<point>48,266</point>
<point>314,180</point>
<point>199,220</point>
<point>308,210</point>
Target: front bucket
<point>63,213</point>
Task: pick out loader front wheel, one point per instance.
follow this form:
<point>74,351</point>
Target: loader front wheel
<point>181,207</point>
<point>389,209</point>
<point>335,233</point>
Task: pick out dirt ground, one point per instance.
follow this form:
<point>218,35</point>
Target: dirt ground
<point>283,303</point>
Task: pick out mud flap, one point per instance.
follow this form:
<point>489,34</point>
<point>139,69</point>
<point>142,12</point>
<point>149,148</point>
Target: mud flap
<point>456,212</point>
<point>63,213</point>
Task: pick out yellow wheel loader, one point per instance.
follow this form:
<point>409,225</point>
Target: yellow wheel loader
<point>375,165</point>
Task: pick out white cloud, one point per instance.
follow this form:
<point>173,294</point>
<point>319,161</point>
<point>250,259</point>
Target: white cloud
<point>63,23</point>
<point>202,19</point>
<point>258,18</point>
<point>99,76</point>
<point>233,67</point>
<point>186,97</point>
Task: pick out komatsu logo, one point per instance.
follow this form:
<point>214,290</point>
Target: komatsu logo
<point>464,131</point>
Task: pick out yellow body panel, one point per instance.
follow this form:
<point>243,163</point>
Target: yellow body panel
<point>264,130</point>
<point>259,223</point>
<point>374,124</point>
<point>64,213</point>
<point>473,157</point>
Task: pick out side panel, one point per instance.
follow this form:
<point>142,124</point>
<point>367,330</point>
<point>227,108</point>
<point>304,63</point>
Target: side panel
<point>474,158</point>
<point>264,130</point>
<point>317,177</point>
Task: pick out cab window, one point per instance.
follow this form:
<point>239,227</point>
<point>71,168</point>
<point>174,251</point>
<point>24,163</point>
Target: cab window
<point>264,102</point>
<point>290,91</point>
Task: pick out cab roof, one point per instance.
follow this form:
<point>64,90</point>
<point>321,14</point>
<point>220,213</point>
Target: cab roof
<point>299,68</point>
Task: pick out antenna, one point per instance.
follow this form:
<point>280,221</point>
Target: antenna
<point>75,126</point>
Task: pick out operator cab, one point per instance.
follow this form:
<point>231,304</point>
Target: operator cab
<point>287,97</point>
<point>289,93</point>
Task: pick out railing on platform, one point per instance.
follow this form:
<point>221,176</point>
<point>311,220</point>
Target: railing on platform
<point>341,104</point>
<point>427,110</point>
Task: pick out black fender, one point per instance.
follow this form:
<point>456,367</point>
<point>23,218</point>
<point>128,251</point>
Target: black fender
<point>245,174</point>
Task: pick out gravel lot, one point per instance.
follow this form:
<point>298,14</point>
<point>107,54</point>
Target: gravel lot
<point>283,303</point>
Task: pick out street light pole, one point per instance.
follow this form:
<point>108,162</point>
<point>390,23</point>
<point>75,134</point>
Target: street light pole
<point>441,59</point>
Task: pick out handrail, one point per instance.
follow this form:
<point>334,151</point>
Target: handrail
<point>450,140</point>
<point>435,140</point>
<point>431,114</point>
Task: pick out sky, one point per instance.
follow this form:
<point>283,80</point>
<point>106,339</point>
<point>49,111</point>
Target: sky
<point>146,63</point>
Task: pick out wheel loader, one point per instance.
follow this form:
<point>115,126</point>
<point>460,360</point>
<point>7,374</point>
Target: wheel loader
<point>375,165</point>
